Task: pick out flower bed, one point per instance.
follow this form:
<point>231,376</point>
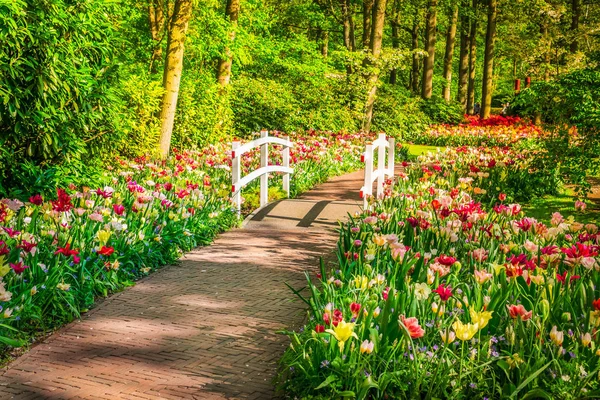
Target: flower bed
<point>436,295</point>
<point>58,255</point>
<point>494,131</point>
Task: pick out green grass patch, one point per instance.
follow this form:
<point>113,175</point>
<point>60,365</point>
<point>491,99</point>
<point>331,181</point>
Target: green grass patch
<point>542,208</point>
<point>416,150</point>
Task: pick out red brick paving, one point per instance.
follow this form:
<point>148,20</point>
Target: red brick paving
<point>202,329</point>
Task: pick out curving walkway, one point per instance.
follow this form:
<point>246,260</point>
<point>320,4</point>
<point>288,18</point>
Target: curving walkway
<point>202,329</point>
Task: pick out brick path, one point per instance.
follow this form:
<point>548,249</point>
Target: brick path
<point>202,329</point>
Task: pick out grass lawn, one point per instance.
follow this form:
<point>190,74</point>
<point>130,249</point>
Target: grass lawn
<point>543,207</point>
<point>416,150</point>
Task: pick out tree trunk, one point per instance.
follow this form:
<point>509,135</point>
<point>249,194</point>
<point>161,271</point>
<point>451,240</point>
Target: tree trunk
<point>395,40</point>
<point>348,25</point>
<point>324,43</point>
<point>224,67</point>
<point>416,59</point>
<point>182,12</point>
<point>472,61</point>
<point>576,13</point>
<point>367,18</point>
<point>488,60</point>
<point>546,46</point>
<point>430,37</point>
<point>157,21</point>
<point>379,7</point>
<point>463,65</point>
<point>450,38</point>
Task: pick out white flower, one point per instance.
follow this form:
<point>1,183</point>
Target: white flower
<point>422,291</point>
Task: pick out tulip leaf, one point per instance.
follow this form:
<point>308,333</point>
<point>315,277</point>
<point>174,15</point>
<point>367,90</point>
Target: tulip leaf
<point>330,379</point>
<point>529,379</point>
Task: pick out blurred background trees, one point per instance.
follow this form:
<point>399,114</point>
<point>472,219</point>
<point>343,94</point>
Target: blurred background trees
<point>85,81</point>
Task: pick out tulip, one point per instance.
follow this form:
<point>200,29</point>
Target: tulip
<point>556,336</point>
<point>412,326</point>
<point>480,318</point>
<point>518,311</point>
<point>367,347</point>
<point>465,331</point>
<point>448,336</point>
<point>343,332</point>
<point>586,339</point>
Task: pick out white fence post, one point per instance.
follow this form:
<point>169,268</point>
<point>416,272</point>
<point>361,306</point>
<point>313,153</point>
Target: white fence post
<point>285,155</point>
<point>238,182</point>
<point>380,166</point>
<point>235,176</point>
<point>368,188</point>
<point>264,179</point>
<point>380,174</point>
<point>391,156</point>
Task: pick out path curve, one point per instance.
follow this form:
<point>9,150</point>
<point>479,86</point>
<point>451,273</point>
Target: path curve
<point>201,329</point>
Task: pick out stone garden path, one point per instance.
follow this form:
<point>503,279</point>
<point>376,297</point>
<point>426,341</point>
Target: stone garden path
<point>202,329</point>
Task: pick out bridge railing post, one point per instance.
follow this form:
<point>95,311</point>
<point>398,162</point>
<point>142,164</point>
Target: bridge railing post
<point>238,182</point>
<point>285,155</point>
<point>235,176</point>
<point>264,179</point>
<point>383,168</point>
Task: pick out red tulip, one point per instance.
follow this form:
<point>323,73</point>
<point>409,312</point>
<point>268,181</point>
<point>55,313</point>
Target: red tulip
<point>444,292</point>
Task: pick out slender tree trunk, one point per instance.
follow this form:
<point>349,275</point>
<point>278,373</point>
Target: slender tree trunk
<point>430,37</point>
<point>449,54</point>
<point>376,40</point>
<point>367,18</point>
<point>416,59</point>
<point>352,25</point>
<point>182,12</point>
<point>324,45</point>
<point>348,25</point>
<point>224,67</point>
<point>157,22</point>
<point>463,65</point>
<point>472,61</point>
<point>488,61</point>
<point>576,13</point>
<point>546,46</point>
<point>395,39</point>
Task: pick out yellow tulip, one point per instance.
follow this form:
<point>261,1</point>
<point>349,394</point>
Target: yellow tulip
<point>480,318</point>
<point>103,236</point>
<point>465,331</point>
<point>557,336</point>
<point>343,332</point>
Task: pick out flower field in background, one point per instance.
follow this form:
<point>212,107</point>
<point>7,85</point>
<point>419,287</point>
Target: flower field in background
<point>57,255</point>
<point>494,131</point>
<point>445,289</point>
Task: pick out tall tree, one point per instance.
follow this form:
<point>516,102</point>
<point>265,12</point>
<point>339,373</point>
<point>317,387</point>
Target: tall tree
<point>430,37</point>
<point>450,38</point>
<point>472,61</point>
<point>395,37</point>
<point>575,15</point>
<point>157,22</point>
<point>348,25</point>
<point>379,7</point>
<point>416,58</point>
<point>488,61</point>
<point>180,17</point>
<point>232,11</point>
<point>463,64</point>
<point>367,18</point>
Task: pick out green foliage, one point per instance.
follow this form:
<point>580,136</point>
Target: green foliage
<point>440,111</point>
<point>573,98</point>
<point>399,114</point>
<point>56,68</point>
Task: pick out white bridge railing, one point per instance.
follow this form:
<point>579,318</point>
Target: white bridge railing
<point>265,169</point>
<point>380,173</point>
